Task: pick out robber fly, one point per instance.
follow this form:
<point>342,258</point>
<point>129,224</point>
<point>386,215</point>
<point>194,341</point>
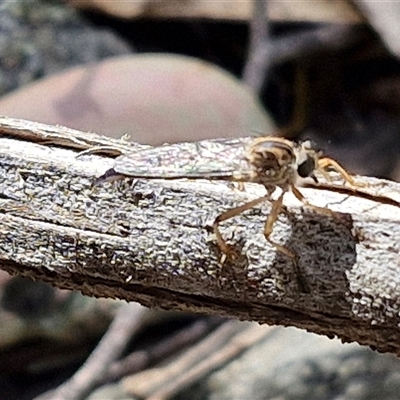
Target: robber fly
<point>269,161</point>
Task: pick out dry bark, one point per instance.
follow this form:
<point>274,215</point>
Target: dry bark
<point>152,242</point>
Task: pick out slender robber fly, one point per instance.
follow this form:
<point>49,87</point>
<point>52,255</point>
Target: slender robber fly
<point>269,161</point>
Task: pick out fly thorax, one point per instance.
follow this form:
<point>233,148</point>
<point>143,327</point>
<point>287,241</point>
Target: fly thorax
<point>272,162</point>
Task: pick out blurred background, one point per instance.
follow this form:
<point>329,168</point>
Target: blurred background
<point>170,71</point>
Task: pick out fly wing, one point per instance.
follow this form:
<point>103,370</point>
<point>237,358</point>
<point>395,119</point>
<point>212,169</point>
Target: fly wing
<point>207,159</point>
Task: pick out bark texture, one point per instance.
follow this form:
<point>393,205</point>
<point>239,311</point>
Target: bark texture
<point>152,242</point>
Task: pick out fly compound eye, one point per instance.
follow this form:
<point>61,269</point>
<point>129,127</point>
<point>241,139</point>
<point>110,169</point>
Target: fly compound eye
<point>306,168</point>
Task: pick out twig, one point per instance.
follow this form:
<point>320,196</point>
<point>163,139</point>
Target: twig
<point>151,242</point>
<point>266,51</point>
<point>140,359</point>
<point>330,37</point>
<point>256,67</point>
<point>215,350</point>
<point>122,330</point>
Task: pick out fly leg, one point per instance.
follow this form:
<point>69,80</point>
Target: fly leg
<point>277,207</point>
<point>321,210</point>
<point>269,224</point>
<point>233,212</point>
<point>327,162</point>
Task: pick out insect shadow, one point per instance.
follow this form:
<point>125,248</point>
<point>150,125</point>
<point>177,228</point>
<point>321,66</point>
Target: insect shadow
<point>325,247</point>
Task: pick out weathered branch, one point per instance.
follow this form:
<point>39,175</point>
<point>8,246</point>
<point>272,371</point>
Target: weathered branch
<point>151,241</point>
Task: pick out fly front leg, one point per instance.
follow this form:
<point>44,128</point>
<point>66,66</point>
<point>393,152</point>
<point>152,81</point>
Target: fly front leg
<point>326,162</point>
